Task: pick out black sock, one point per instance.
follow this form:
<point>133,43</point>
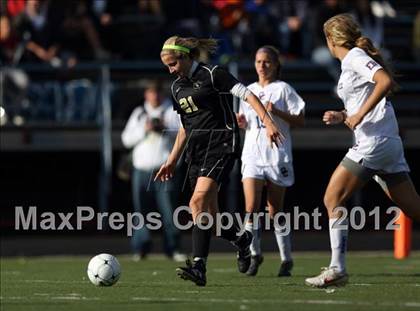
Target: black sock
<point>243,240</point>
<point>200,242</point>
<point>229,234</point>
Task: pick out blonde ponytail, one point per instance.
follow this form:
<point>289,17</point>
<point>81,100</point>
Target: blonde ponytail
<point>344,31</point>
<point>366,44</point>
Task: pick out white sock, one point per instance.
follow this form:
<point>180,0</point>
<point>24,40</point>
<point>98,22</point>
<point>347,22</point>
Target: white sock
<point>284,243</point>
<point>338,241</point>
<point>204,259</point>
<point>255,246</point>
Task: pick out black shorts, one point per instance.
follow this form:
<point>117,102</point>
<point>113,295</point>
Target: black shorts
<point>214,167</point>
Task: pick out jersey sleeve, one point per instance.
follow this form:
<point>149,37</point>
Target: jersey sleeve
<point>222,80</point>
<point>295,104</point>
<point>365,66</point>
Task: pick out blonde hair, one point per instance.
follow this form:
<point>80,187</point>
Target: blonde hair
<point>197,47</point>
<point>344,31</point>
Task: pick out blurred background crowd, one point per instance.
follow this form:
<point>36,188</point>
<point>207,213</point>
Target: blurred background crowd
<point>63,32</point>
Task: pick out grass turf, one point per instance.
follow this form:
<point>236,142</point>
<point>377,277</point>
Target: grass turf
<point>377,282</point>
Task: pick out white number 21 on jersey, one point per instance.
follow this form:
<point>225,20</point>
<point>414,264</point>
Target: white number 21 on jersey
<point>187,104</point>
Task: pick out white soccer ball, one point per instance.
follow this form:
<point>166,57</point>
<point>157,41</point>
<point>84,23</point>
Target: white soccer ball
<point>104,270</point>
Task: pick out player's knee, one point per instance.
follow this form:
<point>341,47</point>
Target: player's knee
<point>328,200</point>
<point>332,199</point>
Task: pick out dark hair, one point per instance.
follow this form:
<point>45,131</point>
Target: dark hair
<point>153,85</point>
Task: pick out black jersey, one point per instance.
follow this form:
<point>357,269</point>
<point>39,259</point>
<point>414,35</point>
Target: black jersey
<point>205,104</point>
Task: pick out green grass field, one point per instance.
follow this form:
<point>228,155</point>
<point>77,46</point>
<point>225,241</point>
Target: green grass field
<point>377,282</point>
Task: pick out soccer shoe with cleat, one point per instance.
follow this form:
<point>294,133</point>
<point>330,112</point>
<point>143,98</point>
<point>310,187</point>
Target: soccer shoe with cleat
<point>328,277</point>
<point>256,261</point>
<point>244,253</point>
<point>285,268</point>
<point>195,272</point>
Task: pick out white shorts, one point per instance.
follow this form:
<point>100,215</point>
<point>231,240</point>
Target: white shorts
<point>281,175</point>
<point>383,154</point>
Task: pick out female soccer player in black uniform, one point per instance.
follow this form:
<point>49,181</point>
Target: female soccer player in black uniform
<point>209,134</point>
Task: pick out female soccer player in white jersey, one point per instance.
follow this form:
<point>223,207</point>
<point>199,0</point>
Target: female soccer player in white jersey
<point>378,151</point>
<point>209,135</point>
<point>263,165</point>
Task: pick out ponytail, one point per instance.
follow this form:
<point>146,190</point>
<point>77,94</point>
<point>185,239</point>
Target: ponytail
<point>366,44</point>
<point>345,31</point>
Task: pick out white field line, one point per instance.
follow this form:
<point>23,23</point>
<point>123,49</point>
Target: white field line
<point>74,298</point>
<point>224,270</point>
<point>48,281</point>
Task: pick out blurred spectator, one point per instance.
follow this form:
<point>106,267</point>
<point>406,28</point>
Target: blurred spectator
<point>13,82</point>
<point>13,7</point>
<point>127,25</point>
<point>74,29</point>
<point>33,26</point>
<point>230,26</point>
<point>372,26</point>
<point>186,18</point>
<point>383,8</point>
<point>291,16</point>
<point>150,131</point>
<point>262,23</point>
<point>321,54</point>
<point>416,38</point>
<point>254,26</point>
<point>114,10</point>
<point>8,40</point>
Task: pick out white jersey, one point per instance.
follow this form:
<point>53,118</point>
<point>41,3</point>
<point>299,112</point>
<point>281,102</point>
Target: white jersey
<point>378,145</point>
<point>257,150</point>
<point>354,88</point>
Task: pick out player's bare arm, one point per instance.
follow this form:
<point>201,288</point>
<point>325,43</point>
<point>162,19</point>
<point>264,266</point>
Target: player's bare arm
<point>293,120</point>
<point>273,132</point>
<point>383,85</point>
<point>167,169</point>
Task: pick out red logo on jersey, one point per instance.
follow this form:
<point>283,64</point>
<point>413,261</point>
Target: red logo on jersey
<point>371,64</point>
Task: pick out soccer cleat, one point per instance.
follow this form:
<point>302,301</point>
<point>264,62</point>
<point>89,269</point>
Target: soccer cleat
<point>256,261</point>
<point>328,277</point>
<point>244,253</point>
<point>285,268</point>
<point>195,272</point>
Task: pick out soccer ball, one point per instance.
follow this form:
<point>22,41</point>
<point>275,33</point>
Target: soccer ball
<point>104,270</point>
